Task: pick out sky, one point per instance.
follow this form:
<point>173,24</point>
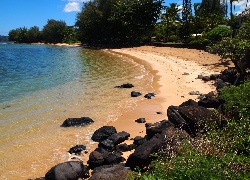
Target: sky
<point>28,13</point>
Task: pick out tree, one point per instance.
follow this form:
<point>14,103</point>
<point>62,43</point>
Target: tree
<point>18,35</point>
<point>53,31</point>
<point>185,31</point>
<point>117,21</point>
<point>172,19</point>
<point>237,49</point>
<point>33,35</point>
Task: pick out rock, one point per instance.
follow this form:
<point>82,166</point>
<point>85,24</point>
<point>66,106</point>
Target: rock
<point>83,121</point>
<point>141,156</point>
<point>110,172</point>
<point>135,94</point>
<point>120,137</point>
<point>114,158</point>
<point>107,144</point>
<point>100,157</point>
<point>214,76</point>
<point>103,133</point>
<point>185,73</point>
<point>150,95</point>
<point>140,120</point>
<point>71,170</point>
<point>219,83</point>
<point>194,93</point>
<point>124,147</point>
<point>157,128</point>
<point>127,85</point>
<point>96,159</point>
<point>190,118</point>
<point>229,75</point>
<point>77,149</point>
<point>158,112</point>
<point>189,102</point>
<point>210,102</point>
<point>206,78</point>
<point>138,140</point>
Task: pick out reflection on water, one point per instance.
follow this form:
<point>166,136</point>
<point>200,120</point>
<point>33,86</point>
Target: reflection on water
<point>31,140</point>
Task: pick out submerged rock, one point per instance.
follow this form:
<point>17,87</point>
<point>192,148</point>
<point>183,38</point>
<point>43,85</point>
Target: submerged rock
<point>83,121</point>
<point>127,85</point>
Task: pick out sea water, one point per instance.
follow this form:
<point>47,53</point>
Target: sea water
<point>42,85</point>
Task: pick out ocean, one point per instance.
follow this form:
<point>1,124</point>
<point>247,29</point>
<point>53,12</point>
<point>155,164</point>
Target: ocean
<point>42,85</point>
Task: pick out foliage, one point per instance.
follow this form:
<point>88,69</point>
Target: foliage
<point>237,49</point>
<point>217,34</point>
<point>69,35</point>
<point>244,31</point>
<point>53,31</point>
<point>117,21</point>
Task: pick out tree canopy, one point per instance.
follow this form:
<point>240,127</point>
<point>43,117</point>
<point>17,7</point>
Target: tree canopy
<point>117,21</point>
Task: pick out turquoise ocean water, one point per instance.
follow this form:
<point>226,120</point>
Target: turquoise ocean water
<point>41,86</point>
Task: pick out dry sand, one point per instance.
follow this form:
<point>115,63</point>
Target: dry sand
<point>175,71</point>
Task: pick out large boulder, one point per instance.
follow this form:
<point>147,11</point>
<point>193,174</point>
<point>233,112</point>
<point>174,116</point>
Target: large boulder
<point>110,172</point>
<point>71,170</point>
<point>83,121</point>
<point>228,75</point>
<point>192,119</point>
<point>107,144</point>
<point>103,133</point>
<point>138,140</point>
<point>141,156</point>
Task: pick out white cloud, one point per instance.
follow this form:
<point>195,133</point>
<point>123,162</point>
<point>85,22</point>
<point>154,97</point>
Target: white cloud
<point>242,4</point>
<point>73,5</point>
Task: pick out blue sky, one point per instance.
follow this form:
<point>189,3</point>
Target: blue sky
<point>28,13</point>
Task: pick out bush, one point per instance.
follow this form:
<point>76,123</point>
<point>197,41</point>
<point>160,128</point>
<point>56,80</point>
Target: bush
<point>217,34</point>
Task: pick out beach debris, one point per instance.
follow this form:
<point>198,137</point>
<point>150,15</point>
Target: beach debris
<point>68,170</point>
<point>103,133</point>
<point>185,73</point>
<point>140,120</point>
<point>77,149</point>
<point>127,85</point>
<point>114,171</point>
<point>150,95</point>
<point>135,94</point>
<point>83,121</point>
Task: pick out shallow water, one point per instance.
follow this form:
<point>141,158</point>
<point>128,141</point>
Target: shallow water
<point>38,97</point>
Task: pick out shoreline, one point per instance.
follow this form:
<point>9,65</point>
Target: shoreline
<point>174,78</point>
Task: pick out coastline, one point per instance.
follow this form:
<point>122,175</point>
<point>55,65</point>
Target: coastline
<point>175,75</point>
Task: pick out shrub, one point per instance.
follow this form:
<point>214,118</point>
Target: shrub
<point>217,33</point>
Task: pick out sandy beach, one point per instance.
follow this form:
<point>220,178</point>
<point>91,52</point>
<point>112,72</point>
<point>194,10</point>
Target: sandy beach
<point>175,75</point>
